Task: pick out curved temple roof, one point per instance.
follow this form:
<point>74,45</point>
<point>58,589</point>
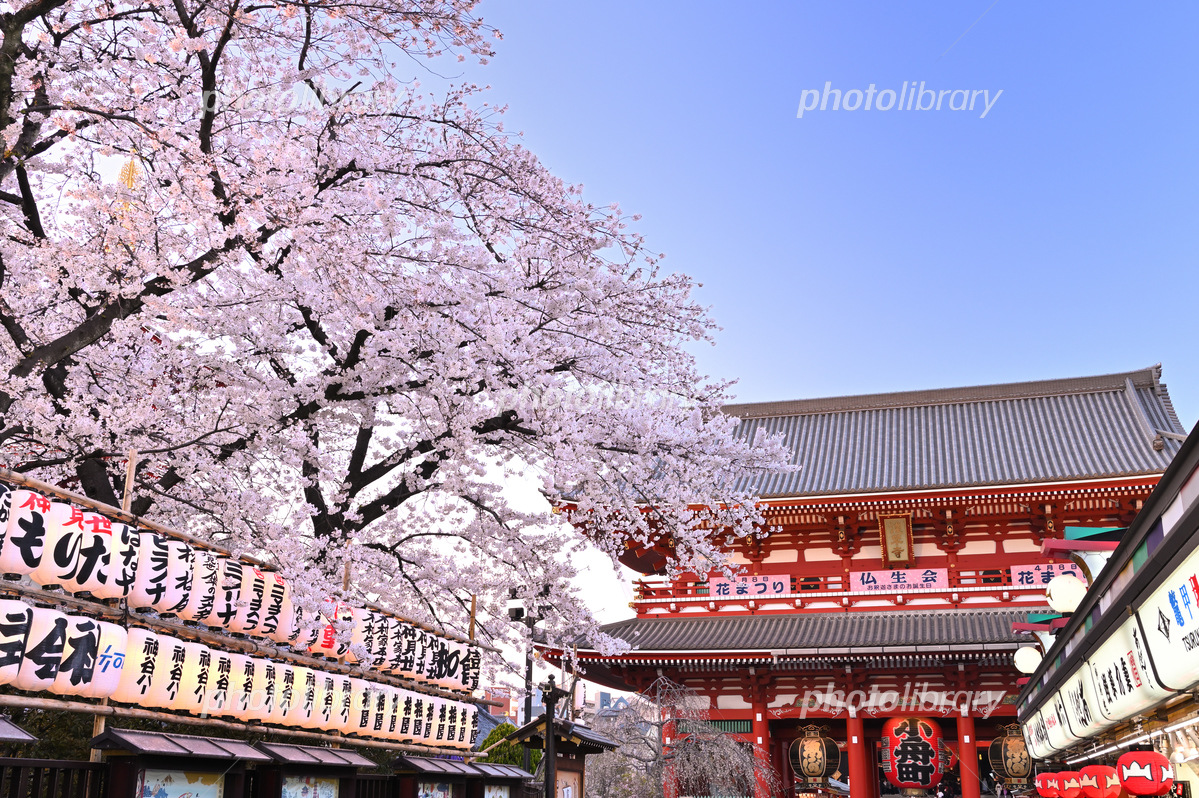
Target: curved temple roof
<point>1053,430</point>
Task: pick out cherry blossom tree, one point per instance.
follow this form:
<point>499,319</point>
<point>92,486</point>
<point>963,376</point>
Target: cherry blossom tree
<point>338,317</point>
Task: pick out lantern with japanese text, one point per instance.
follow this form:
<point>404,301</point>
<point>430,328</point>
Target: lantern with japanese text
<point>60,551</point>
<point>412,721</point>
<point>90,573</point>
<point>266,680</point>
<point>910,757</point>
<point>1099,781</point>
<point>220,683</point>
<point>153,587</point>
<point>25,534</point>
<point>337,622</point>
<point>433,707</point>
<point>814,757</point>
<point>474,727</point>
<point>326,698</point>
<point>284,694</point>
<point>252,600</point>
<point>196,679</point>
<point>171,656</point>
<point>1009,757</point>
<point>110,661</point>
<point>1048,785</point>
<point>43,650</point>
<point>277,611</point>
<point>307,699</point>
<point>395,711</point>
<point>179,576</point>
<point>120,563</point>
<point>142,670</point>
<point>15,619</point>
<point>79,653</point>
<point>1067,784</point>
<point>228,593</point>
<point>206,572</point>
<point>241,687</point>
<point>1145,773</point>
<point>6,492</point>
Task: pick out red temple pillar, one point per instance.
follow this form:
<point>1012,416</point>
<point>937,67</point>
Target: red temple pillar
<point>968,758</point>
<point>859,766</point>
<point>761,740</point>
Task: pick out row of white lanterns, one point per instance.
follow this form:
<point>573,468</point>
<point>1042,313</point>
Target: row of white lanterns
<point>57,544</point>
<point>46,650</point>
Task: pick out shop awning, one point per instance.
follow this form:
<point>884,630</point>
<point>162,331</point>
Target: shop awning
<point>12,733</point>
<point>162,744</point>
<point>314,755</point>
<point>455,769</point>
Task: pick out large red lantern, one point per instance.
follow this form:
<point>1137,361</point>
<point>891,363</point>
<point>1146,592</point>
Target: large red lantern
<point>1145,773</point>
<point>1068,785</point>
<point>1099,781</point>
<point>911,753</point>
<point>1048,785</point>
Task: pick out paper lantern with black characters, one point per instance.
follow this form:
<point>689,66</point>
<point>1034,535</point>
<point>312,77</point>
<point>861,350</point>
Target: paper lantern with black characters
<point>197,679</point>
<point>276,610</point>
<point>142,668</point>
<point>60,546</point>
<point>1145,773</point>
<point>307,698</point>
<point>79,654</point>
<point>25,534</point>
<point>90,574</point>
<point>1067,784</point>
<point>1048,785</point>
<point>15,620</point>
<point>172,653</point>
<point>152,586</point>
<point>201,600</point>
<point>1099,781</point>
<point>110,661</point>
<point>252,601</point>
<point>1009,757</point>
<point>814,756</point>
<point>120,563</point>
<point>910,753</point>
<point>43,650</point>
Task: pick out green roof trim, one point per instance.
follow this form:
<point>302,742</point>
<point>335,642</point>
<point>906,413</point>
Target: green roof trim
<point>1083,532</point>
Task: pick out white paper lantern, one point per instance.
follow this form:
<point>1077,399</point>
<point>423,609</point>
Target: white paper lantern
<point>420,706</point>
<point>343,698</point>
<point>241,687</point>
<point>306,628</point>
<point>363,635</point>
<point>110,661</point>
<point>382,643</point>
<point>168,678</point>
<point>15,620</point>
<point>120,563</point>
<point>219,695</point>
<point>395,713</point>
<point>285,693</point>
<point>277,612</point>
<point>196,680</point>
<point>26,532</point>
<point>266,683</point>
<point>228,594</point>
<point>310,697</point>
<point>80,651</point>
<point>206,573</point>
<point>332,642</point>
<point>43,650</point>
<point>380,711</point>
<point>251,597</point>
<point>472,734</point>
<point>360,707</point>
<point>95,553</point>
<point>153,568</point>
<point>408,715</point>
<point>326,702</point>
<point>6,492</point>
<point>143,669</point>
<point>179,576</point>
<point>432,708</point>
<point>60,548</point>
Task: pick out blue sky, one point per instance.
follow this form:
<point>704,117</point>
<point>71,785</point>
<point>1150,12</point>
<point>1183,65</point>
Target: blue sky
<point>860,252</point>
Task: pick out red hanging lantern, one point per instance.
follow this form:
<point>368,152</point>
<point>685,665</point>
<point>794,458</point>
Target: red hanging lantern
<point>1099,781</point>
<point>1068,785</point>
<point>911,756</point>
<point>1145,773</point>
<point>1048,785</point>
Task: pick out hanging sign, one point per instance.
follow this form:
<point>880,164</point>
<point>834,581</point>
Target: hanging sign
<point>749,586</point>
<point>1121,675</point>
<point>1053,713</point>
<point>910,758</point>
<point>1170,618</point>
<point>901,580</point>
<point>1042,574</point>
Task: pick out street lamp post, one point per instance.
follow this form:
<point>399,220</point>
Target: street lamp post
<point>518,611</point>
<point>551,694</point>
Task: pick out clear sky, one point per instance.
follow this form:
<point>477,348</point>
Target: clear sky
<point>867,251</point>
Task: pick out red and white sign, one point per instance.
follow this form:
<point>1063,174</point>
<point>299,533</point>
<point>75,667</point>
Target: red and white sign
<point>750,586</point>
<point>1042,575</point>
<point>901,580</point>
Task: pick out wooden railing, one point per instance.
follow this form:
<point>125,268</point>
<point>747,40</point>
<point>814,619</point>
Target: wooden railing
<point>39,778</point>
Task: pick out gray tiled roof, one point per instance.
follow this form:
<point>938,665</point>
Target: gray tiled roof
<point>821,630</point>
<point>1054,430</point>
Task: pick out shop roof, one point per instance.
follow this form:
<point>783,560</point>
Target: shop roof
<point>314,755</point>
<point>162,744</point>
<point>12,733</point>
<point>1053,430</point>
<point>577,735</point>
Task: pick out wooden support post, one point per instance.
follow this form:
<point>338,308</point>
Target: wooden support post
<point>859,766</point>
<point>968,757</point>
<point>761,740</point>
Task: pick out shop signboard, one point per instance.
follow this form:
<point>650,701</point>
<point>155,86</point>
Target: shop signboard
<point>180,784</point>
<point>1122,676</point>
<point>749,586</point>
<point>1082,715</point>
<point>900,580</point>
<point>1170,618</point>
<point>1053,713</point>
